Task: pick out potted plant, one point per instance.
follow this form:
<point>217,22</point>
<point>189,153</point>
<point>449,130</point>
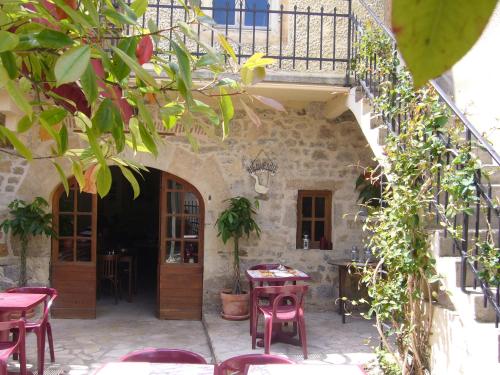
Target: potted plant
<point>27,220</point>
<point>235,222</point>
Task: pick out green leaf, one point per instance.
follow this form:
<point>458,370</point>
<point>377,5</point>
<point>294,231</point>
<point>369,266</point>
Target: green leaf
<point>147,140</point>
<point>131,179</point>
<point>103,180</point>
<point>63,136</point>
<point>89,84</point>
<point>53,116</point>
<point>184,66</point>
<point>24,124</point>
<point>104,116</point>
<point>140,72</point>
<point>433,35</point>
<point>19,98</point>
<point>120,68</point>
<point>92,10</point>
<point>205,109</point>
<point>226,106</point>
<point>18,145</point>
<point>62,177</point>
<point>71,65</point>
<point>139,7</point>
<point>9,63</point>
<point>49,38</point>
<point>77,169</point>
<point>79,18</point>
<point>118,18</point>
<point>227,47</point>
<point>8,41</point>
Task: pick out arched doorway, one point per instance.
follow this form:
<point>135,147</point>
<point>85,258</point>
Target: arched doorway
<point>178,232</point>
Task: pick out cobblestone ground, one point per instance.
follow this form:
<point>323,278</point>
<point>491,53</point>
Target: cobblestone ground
<point>82,346</point>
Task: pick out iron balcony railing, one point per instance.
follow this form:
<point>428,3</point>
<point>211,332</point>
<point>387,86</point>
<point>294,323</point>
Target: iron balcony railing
<point>484,218</point>
<point>299,38</point>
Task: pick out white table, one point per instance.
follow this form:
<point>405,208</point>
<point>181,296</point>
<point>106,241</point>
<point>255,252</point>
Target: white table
<point>301,369</point>
<point>146,368</point>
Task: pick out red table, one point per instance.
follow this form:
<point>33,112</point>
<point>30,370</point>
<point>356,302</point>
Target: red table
<point>17,302</point>
<point>275,277</point>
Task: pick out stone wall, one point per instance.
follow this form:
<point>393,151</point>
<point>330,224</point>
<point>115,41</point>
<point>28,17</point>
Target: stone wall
<point>312,153</point>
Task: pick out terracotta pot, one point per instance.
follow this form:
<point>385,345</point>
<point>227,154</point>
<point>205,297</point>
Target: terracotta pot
<point>234,306</point>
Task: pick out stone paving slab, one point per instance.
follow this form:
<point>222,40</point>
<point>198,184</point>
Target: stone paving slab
<point>329,341</point>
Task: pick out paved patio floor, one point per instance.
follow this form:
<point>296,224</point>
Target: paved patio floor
<point>83,345</point>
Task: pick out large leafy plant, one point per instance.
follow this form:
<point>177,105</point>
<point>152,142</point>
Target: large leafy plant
<point>94,63</point>
<point>235,222</point>
<point>27,220</point>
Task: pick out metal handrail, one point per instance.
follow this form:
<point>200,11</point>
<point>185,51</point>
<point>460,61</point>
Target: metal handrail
<point>441,92</point>
<point>482,192</point>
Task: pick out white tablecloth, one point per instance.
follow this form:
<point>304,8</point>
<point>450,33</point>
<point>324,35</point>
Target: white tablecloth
<point>305,369</point>
<point>145,368</point>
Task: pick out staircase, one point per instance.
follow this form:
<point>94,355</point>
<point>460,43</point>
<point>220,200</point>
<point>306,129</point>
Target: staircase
<point>467,311</point>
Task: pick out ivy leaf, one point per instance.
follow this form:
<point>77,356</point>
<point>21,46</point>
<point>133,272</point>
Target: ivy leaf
<point>433,35</point>
<point>8,41</point>
<point>71,65</point>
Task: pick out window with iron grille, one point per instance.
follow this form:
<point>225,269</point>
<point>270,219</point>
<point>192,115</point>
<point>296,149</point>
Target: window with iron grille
<point>314,217</point>
<point>247,13</point>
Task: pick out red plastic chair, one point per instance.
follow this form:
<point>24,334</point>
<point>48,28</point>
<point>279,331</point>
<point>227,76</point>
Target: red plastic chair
<point>287,305</point>
<point>240,364</point>
<point>16,346</point>
<point>264,266</point>
<point>164,356</point>
<point>42,326</point>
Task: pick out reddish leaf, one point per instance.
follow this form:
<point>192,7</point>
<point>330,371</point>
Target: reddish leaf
<point>72,92</point>
<point>251,114</point>
<point>61,14</point>
<point>98,68</point>
<point>270,102</point>
<point>113,92</point>
<point>90,180</point>
<point>144,49</point>
<point>126,110</point>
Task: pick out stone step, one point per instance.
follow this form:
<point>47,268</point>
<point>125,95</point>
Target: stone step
<point>469,276</point>
<point>482,155</point>
<point>443,244</point>
<point>382,135</point>
<point>481,313</point>
<point>492,172</point>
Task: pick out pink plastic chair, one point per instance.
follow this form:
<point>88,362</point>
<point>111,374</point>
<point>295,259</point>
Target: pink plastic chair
<point>42,326</point>
<point>16,346</point>
<point>286,305</point>
<point>164,356</point>
<point>240,364</point>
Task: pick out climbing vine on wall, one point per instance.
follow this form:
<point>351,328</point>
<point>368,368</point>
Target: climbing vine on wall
<point>400,286</point>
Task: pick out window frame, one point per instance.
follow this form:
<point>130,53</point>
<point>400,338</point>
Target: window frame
<point>327,219</point>
<point>240,21</point>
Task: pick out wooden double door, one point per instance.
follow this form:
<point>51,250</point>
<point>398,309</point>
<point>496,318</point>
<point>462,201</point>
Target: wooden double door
<point>180,251</point>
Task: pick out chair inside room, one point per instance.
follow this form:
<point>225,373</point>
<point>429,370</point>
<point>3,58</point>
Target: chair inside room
<point>164,356</point>
<point>285,305</point>
<point>239,365</point>
<point>41,327</point>
<point>15,347</point>
<point>108,274</point>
